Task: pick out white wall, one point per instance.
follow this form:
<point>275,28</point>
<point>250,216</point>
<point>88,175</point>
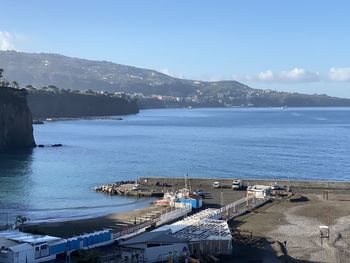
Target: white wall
<point>154,254</point>
<point>22,256</point>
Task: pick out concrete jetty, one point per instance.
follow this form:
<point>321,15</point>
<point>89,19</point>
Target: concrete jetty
<point>227,183</point>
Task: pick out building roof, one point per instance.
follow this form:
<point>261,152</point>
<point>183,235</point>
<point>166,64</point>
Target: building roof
<point>206,229</point>
<point>22,237</point>
<point>259,187</point>
<point>6,242</point>
<point>20,247</point>
<point>153,237</point>
<point>208,213</point>
<point>193,196</point>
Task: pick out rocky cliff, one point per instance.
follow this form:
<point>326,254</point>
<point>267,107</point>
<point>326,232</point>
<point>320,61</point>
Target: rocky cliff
<point>67,104</point>
<point>16,130</point>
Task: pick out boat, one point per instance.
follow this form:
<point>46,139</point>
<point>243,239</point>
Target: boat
<point>182,193</point>
<point>161,202</point>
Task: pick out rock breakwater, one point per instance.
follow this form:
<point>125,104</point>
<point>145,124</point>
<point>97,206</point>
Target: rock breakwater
<point>128,188</point>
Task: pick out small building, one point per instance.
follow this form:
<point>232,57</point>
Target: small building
<point>33,248</point>
<point>204,236</point>
<point>194,200</point>
<point>14,252</point>
<point>157,246</point>
<point>258,191</point>
<point>204,232</point>
<point>15,245</point>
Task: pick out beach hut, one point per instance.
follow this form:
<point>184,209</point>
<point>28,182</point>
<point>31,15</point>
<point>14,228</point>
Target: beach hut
<point>58,247</point>
<point>17,253</point>
<point>194,200</point>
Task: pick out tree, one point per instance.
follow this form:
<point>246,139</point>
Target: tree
<point>15,84</point>
<point>3,81</point>
<point>21,220</point>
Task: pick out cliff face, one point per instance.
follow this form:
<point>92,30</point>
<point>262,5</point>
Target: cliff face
<point>16,130</point>
<point>44,104</point>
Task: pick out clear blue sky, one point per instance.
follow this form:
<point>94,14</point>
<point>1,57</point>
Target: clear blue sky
<point>299,45</point>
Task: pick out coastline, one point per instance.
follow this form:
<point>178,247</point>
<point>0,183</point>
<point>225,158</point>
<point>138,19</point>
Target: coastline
<point>104,117</point>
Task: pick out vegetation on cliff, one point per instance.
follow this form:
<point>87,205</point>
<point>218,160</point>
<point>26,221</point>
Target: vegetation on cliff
<point>52,102</point>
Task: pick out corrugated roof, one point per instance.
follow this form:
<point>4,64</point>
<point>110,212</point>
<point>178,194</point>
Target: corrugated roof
<point>21,247</point>
<point>6,242</point>
<point>205,229</point>
<point>18,236</point>
<point>153,237</point>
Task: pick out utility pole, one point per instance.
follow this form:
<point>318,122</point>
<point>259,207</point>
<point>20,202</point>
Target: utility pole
<point>221,199</point>
<point>7,220</point>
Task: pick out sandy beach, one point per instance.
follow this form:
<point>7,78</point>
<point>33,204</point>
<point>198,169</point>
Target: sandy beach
<point>117,222</point>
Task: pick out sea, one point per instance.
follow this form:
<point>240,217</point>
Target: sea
<point>55,184</point>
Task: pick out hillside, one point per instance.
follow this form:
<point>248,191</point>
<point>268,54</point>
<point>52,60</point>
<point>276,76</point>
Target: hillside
<point>40,69</point>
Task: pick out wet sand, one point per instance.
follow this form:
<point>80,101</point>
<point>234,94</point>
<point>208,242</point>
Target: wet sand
<point>121,221</point>
<point>116,222</point>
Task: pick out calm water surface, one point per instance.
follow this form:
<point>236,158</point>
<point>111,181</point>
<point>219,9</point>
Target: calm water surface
<point>55,183</point>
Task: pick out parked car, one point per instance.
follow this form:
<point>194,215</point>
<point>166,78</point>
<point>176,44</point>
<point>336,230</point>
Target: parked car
<point>216,185</point>
<point>199,193</point>
<point>136,187</point>
<point>236,184</point>
<point>276,186</point>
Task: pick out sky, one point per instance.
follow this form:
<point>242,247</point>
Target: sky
<point>298,46</point>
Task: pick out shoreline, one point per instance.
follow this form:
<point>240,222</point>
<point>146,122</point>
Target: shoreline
<point>104,117</point>
<point>108,220</point>
<point>117,221</point>
<point>294,220</point>
<point>112,117</point>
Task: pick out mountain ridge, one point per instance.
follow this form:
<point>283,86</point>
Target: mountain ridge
<point>43,69</point>
<point>13,61</point>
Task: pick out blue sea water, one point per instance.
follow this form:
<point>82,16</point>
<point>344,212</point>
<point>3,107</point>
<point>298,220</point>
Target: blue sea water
<point>55,183</point>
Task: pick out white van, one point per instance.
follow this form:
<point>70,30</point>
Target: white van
<point>236,184</point>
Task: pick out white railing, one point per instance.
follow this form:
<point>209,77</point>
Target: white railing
<point>134,229</point>
<point>180,211</point>
<point>241,206</point>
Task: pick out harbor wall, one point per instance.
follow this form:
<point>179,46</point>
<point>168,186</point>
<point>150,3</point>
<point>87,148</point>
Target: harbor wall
<point>227,182</point>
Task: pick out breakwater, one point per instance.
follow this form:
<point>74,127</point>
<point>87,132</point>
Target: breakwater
<point>227,183</point>
<point>128,188</point>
